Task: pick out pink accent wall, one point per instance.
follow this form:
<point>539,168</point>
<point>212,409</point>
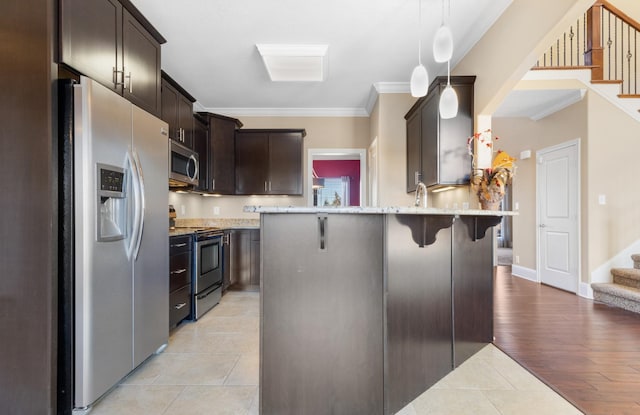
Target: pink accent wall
<point>339,168</point>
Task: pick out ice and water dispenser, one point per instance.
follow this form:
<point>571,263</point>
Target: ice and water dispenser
<point>112,205</point>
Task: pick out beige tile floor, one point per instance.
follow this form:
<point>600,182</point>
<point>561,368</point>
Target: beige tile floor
<point>211,367</point>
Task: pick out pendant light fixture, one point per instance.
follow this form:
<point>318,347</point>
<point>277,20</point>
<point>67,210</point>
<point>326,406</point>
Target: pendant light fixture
<point>443,41</point>
<point>449,99</point>
<point>419,76</point>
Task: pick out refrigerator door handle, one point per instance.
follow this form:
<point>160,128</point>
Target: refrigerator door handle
<point>134,198</point>
<point>140,205</point>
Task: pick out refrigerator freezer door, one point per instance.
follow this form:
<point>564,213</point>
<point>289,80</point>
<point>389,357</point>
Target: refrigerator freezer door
<point>151,268</point>
<point>103,302</point>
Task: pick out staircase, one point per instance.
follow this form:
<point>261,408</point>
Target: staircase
<point>624,291</point>
<point>604,43</point>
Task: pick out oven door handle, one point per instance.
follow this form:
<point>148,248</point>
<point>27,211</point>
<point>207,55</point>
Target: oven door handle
<point>209,292</point>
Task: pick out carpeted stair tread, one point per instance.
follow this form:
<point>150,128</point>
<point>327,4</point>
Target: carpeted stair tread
<point>617,295</point>
<point>626,276</point>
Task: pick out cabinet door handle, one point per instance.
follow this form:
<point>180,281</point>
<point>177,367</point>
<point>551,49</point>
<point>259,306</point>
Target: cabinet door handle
<point>179,271</point>
<point>115,77</point>
<point>179,306</point>
<point>265,186</point>
<point>178,245</point>
<point>269,185</point>
<point>417,178</point>
<point>322,232</point>
<point>213,184</point>
<point>130,82</point>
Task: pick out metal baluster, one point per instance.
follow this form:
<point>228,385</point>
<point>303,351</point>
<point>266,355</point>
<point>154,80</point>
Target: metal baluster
<point>609,42</point>
<point>564,49</point>
<point>629,56</point>
<point>615,48</point>
<point>571,35</point>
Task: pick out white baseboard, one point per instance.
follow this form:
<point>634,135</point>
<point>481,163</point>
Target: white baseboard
<point>621,260</point>
<point>524,272</point>
<point>584,290</point>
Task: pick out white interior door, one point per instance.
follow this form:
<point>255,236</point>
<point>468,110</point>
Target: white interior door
<point>558,215</point>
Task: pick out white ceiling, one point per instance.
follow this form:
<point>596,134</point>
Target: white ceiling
<point>211,50</point>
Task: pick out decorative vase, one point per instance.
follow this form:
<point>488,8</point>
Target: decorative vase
<point>490,204</point>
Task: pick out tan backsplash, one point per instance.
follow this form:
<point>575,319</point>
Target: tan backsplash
<point>218,223</point>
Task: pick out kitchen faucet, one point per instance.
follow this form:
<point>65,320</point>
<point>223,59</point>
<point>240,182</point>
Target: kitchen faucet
<point>421,188</point>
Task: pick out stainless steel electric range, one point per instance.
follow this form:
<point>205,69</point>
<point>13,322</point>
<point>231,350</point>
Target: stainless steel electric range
<point>207,270</point>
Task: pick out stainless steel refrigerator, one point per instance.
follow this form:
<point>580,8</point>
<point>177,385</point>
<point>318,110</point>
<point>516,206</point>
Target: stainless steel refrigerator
<point>114,285</point>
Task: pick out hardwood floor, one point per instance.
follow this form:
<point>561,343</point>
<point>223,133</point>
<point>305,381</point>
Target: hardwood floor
<point>587,352</point>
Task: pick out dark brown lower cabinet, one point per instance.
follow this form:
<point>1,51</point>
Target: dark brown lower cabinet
<point>244,258</point>
<point>322,315</point>
<point>376,307</point>
<point>472,289</point>
<point>419,308</point>
<point>180,262</point>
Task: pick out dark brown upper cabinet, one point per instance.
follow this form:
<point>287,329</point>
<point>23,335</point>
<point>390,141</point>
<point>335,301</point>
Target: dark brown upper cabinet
<point>437,148</point>
<point>221,165</point>
<point>269,162</point>
<point>177,111</point>
<point>141,65</point>
<point>111,41</point>
<point>201,146</point>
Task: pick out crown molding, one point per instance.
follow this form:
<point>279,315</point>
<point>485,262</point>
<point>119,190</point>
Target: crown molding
<point>290,112</point>
<point>376,89</point>
<point>198,107</point>
<point>385,88</point>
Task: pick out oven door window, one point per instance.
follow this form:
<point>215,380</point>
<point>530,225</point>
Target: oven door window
<point>209,258</point>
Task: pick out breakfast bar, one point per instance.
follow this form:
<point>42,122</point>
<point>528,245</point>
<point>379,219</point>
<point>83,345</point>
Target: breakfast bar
<point>363,309</point>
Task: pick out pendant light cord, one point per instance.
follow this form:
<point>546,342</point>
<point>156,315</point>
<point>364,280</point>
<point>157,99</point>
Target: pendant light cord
<point>419,31</point>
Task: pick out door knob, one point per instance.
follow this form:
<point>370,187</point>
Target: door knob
<point>542,225</point>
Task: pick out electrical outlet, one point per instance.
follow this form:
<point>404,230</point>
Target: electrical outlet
<point>602,199</point>
<point>216,210</point>
<point>517,259</point>
<point>183,210</point>
<point>516,206</point>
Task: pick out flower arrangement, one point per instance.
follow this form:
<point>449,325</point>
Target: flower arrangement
<point>490,183</point>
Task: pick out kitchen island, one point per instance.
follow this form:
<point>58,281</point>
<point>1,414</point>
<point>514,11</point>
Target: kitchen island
<point>363,309</point>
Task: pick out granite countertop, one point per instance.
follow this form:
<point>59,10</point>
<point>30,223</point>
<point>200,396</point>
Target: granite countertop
<point>181,231</point>
<point>378,210</point>
<point>188,226</point>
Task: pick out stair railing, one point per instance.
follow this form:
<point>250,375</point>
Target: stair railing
<point>604,39</point>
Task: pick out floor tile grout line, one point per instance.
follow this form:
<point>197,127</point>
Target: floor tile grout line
<point>486,396</point>
<point>174,399</point>
<point>232,368</point>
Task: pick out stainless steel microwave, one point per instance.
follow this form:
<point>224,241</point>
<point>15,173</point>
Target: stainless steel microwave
<point>183,165</point>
